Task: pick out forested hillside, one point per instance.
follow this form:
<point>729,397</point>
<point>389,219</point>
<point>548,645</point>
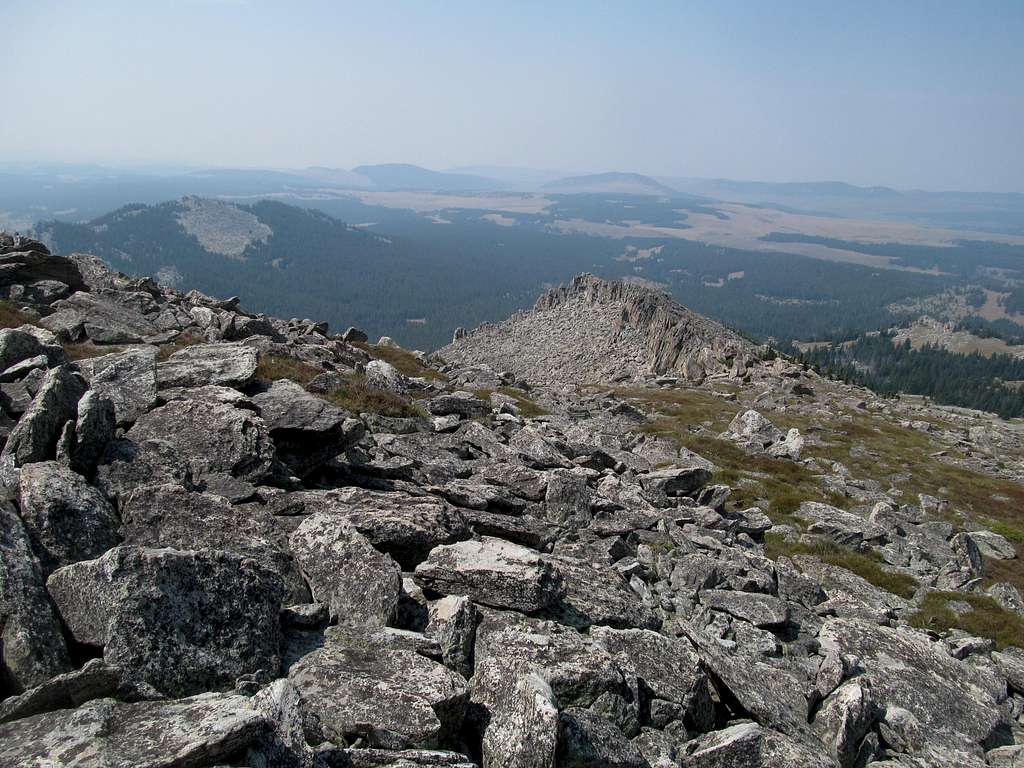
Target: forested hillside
<point>783,296</point>
<point>974,381</point>
<point>417,277</point>
<point>966,258</point>
<point>312,265</point>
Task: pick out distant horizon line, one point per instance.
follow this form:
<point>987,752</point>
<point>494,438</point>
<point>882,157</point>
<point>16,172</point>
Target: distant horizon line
<point>170,168</point>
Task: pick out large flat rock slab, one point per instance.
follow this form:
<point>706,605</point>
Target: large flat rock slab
<point>359,584</point>
<point>188,441</point>
<point>198,731</point>
<point>226,365</point>
<point>393,699</point>
<point>67,519</point>
<point>181,621</point>
<point>492,572</point>
<point>127,379</point>
<point>405,526</point>
<point>168,515</point>
<point>949,698</point>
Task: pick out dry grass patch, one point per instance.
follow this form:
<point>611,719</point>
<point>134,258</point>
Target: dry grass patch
<point>866,565</point>
<point>404,361</point>
<point>871,446</point>
<point>164,351</point>
<point>986,618</point>
<point>12,317</point>
<point>683,407</point>
<point>783,484</point>
<point>275,367</point>
<point>1009,571</point>
<point>526,406</point>
<point>994,502</point>
<point>357,396</point>
<point>83,350</point>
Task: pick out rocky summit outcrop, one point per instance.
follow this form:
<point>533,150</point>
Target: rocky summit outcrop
<point>591,331</point>
<point>232,540</point>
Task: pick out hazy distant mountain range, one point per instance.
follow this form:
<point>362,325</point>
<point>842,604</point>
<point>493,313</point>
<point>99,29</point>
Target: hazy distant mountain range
<point>79,192</point>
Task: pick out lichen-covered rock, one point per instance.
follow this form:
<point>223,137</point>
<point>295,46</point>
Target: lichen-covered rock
<point>381,374</point>
<point>842,527</point>
<point>597,594</point>
<point>992,545</point>
<point>670,670</point>
<point>586,739</point>
<point>19,344</point>
<point>1010,661</point>
<point>306,430</point>
<point>127,379</point>
<point>790,447</point>
<point>199,731</point>
<point>753,430</point>
<point>462,404</point>
<point>226,365</point>
<point>772,693</point>
<point>283,743</point>
<point>171,516</point>
<point>96,680</point>
<point>32,648</point>
<point>66,518</point>
<point>107,317</point>
<point>359,584</point>
<point>452,622</point>
<point>523,731</point>
<point>844,720</point>
<point>905,669</point>
<point>678,481</point>
<point>759,609</point>
<point>181,621</point>
<point>188,441</point>
<point>393,699</point>
<point>492,572</point>
<point>849,592</point>
<point>92,430</point>
<point>537,451</point>
<point>748,745</point>
<point>34,437</point>
<point>567,499</point>
<point>406,527</point>
<point>579,670</point>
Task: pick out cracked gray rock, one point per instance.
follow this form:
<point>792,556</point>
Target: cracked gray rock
<point>359,584</point>
<point>168,515</point>
<point>188,441</point>
<point>306,430</point>
<point>34,437</point>
<point>127,379</point>
<point>492,572</point>
<point>393,699</point>
<point>198,731</point>
<point>66,518</point>
<point>906,669</point>
<point>32,648</point>
<point>180,621</point>
<point>225,365</point>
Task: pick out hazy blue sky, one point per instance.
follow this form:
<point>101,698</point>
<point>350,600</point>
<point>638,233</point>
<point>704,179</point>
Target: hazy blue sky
<point>910,94</point>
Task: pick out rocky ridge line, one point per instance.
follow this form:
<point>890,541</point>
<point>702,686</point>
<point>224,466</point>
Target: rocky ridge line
<point>591,330</point>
